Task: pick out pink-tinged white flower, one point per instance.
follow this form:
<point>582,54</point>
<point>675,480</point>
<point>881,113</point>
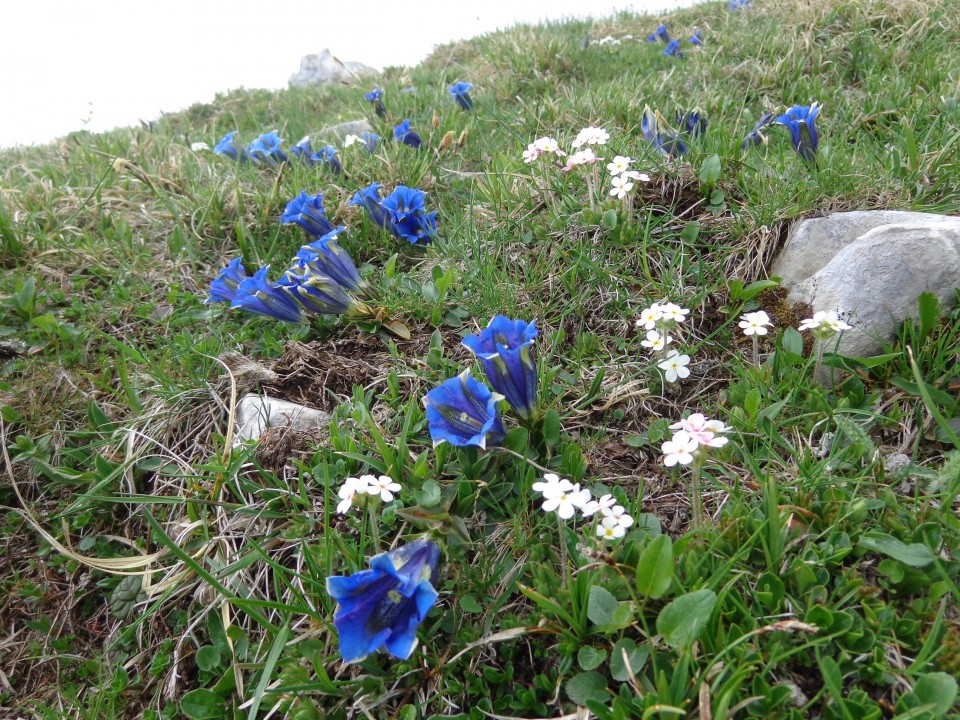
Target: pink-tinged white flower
<point>583,157</point>
<point>349,490</point>
<point>530,154</point>
<point>679,449</point>
<point>649,317</point>
<point>655,341</point>
<point>673,312</point>
<point>594,506</point>
<point>610,530</point>
<point>703,430</point>
<point>591,136</point>
<point>824,324</point>
<point>755,323</point>
<point>565,501</point>
<point>675,366</point>
<point>546,145</point>
<point>618,514</point>
<point>621,186</point>
<point>634,175</point>
<point>384,486</point>
<point>620,164</point>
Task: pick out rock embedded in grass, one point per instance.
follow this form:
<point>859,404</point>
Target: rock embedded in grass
<point>258,413</point>
<point>870,267</point>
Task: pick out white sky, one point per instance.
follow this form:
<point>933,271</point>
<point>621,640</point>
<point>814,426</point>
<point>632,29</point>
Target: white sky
<point>97,64</point>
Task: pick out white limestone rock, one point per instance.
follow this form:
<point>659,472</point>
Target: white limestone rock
<point>257,413</point>
<point>870,267</point>
<point>325,68</point>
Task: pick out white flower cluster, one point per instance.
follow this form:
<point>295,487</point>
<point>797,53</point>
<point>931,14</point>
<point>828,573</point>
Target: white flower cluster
<point>581,157</point>
<point>355,490</point>
<point>658,320</point>
<point>622,176</point>
<point>566,499</point>
<point>541,146</point>
<point>691,434</point>
<point>755,323</point>
<point>591,136</point>
<point>824,324</point>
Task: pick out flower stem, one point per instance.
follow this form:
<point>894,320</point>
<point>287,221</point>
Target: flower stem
<point>696,500</point>
<point>375,529</point>
<point>756,350</point>
<point>563,554</point>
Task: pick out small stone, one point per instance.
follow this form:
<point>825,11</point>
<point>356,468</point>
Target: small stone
<point>257,413</point>
<point>894,462</point>
<point>352,127</point>
<point>322,69</point>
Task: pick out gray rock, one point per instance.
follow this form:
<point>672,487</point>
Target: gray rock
<point>257,413</point>
<point>325,68</point>
<point>870,267</point>
<point>352,127</point>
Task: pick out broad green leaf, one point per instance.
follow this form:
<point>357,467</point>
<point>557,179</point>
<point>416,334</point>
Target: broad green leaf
<point>655,567</point>
<point>928,306</point>
<point>469,603</point>
<point>681,622</point>
<point>208,657</point>
<point>601,606</point>
<point>690,231</point>
<point>710,170</point>
<point>203,704</point>
<point>590,658</point>
<point>627,659</point>
<point>609,219</point>
<point>123,599</point>
<point>428,495</point>
<point>915,554</point>
<point>551,427</point>
<point>792,341</point>
<point>938,689</point>
<point>587,686</point>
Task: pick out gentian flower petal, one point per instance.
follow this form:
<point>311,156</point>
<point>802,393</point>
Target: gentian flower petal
<point>504,348</point>
<point>757,135</point>
<point>463,412</point>
<point>228,147</point>
<point>324,256</point>
<point>257,295</point>
<point>224,288</point>
<point>317,293</point>
<point>384,606</point>
<point>307,212</point>
<point>661,32</point>
<point>461,94</point>
<point>800,121</point>
<point>265,150</point>
<point>673,49</point>
<point>403,133</point>
<point>327,156</point>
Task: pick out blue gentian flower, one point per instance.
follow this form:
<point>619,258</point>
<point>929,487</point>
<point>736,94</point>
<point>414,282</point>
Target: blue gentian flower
<point>317,292</point>
<point>327,155</point>
<point>373,97</point>
<point>697,37</point>
<point>652,37</point>
<point>403,133</point>
<point>265,150</point>
<point>461,94</point>
<point>384,606</point>
<point>662,34</point>
<point>369,199</point>
<point>324,256</point>
<point>667,143</point>
<point>370,140</point>
<point>307,212</point>
<point>800,121</point>
<point>692,123</point>
<point>504,347</point>
<point>224,288</point>
<point>228,147</point>
<point>757,135</point>
<point>673,49</point>
<point>738,4</point>
<point>258,295</point>
<point>463,412</point>
<point>304,151</point>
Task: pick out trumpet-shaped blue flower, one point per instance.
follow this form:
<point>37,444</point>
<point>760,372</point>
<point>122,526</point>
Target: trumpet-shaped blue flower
<point>403,133</point>
<point>307,212</point>
<point>224,288</point>
<point>265,150</point>
<point>463,412</point>
<point>461,94</point>
<point>697,37</point>
<point>738,5</point>
<point>667,143</point>
<point>228,147</point>
<point>504,348</point>
<point>327,156</point>
<point>258,295</point>
<point>373,97</point>
<point>370,141</point>
<point>757,136</point>
<point>692,123</point>
<point>316,292</point>
<point>662,34</point>
<point>324,256</point>
<point>303,151</point>
<point>401,212</point>
<point>384,606</point>
<point>673,49</point>
<point>800,121</point>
